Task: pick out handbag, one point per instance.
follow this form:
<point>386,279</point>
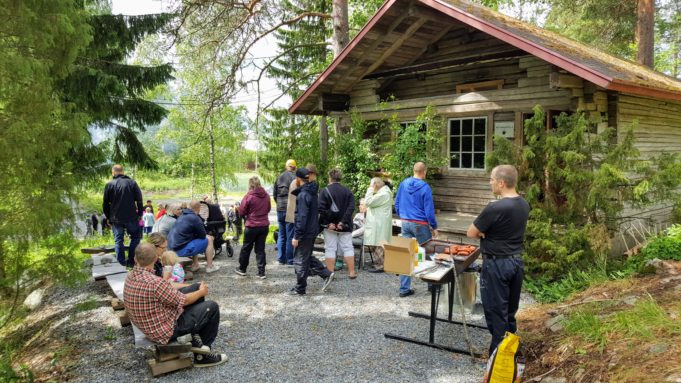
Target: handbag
<point>334,208</point>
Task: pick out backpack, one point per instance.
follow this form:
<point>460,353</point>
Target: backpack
<point>505,365</point>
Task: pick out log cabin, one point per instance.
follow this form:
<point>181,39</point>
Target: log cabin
<point>484,72</point>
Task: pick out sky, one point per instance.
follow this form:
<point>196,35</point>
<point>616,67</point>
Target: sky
<point>261,49</point>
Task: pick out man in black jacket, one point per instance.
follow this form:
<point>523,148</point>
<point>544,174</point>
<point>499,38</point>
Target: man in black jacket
<point>306,230</point>
<point>281,189</point>
<point>123,208</point>
<point>336,205</point>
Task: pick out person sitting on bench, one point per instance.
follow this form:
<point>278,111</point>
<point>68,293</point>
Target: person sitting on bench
<point>163,313</point>
<point>188,238</point>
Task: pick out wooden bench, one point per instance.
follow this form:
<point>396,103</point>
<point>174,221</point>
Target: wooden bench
<point>167,357</point>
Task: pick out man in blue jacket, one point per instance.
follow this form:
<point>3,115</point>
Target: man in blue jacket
<point>188,238</point>
<point>414,205</point>
<point>306,230</point>
<point>122,206</point>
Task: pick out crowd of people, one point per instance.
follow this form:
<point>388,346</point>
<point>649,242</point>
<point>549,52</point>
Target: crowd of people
<point>164,307</point>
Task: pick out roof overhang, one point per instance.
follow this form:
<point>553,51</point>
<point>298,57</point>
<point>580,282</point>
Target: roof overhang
<point>523,43</point>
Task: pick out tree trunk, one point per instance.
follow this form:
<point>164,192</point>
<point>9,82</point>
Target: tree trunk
<point>323,142</point>
<point>645,32</point>
<point>676,50</point>
<point>341,34</point>
<point>213,178</point>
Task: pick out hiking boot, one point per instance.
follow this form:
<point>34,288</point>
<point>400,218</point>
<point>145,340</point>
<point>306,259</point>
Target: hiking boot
<point>327,281</point>
<point>212,269</point>
<point>207,360</point>
<point>240,272</point>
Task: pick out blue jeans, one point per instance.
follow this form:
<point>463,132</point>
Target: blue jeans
<point>194,247</point>
<point>422,234</point>
<point>284,246</point>
<point>134,231</point>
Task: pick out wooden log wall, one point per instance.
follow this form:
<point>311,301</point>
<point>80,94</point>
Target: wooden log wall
<point>528,81</point>
<point>658,123</point>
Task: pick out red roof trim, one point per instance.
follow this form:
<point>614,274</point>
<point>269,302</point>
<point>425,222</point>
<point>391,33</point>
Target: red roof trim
<point>530,47</point>
<point>381,11</point>
<point>627,87</point>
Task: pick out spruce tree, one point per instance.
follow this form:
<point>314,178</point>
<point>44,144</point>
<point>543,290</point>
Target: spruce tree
<point>110,92</point>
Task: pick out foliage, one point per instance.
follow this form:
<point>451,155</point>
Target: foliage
<point>38,177</point>
<point>666,246</point>
<point>412,143</point>
<point>355,156</point>
<point>286,136</point>
<point>577,183</point>
<point>111,93</point>
<point>646,321</point>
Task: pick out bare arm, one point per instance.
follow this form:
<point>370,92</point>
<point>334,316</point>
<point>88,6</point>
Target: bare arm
<point>474,232</point>
<point>196,295</point>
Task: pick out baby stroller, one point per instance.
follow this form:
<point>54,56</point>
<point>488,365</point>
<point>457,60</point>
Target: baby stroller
<point>216,226</point>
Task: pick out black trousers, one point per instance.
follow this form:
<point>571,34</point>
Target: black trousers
<point>254,237</point>
<point>305,264</point>
<point>500,284</point>
<point>201,317</point>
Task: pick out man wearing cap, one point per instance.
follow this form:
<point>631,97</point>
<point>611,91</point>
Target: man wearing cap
<point>291,207</point>
<point>280,193</point>
<point>306,230</point>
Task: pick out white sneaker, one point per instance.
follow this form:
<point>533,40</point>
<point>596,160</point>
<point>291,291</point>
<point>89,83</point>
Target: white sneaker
<point>212,269</point>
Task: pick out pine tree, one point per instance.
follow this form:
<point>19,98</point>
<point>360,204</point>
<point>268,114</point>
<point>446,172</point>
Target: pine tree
<point>110,92</point>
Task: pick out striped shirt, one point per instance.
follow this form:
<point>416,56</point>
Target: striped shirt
<point>152,304</point>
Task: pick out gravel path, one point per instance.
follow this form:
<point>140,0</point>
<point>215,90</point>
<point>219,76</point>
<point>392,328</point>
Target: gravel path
<point>336,336</point>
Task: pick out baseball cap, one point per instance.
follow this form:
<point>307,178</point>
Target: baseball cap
<point>291,163</point>
<point>302,173</point>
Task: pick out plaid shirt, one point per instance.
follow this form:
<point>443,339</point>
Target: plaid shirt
<point>152,304</point>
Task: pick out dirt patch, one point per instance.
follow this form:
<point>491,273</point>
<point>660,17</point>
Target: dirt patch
<point>608,338</point>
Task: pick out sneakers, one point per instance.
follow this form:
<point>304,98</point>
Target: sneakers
<point>327,281</point>
<point>408,293</point>
<point>294,292</point>
<point>212,269</point>
<point>198,346</point>
<point>210,359</point>
<point>238,271</point>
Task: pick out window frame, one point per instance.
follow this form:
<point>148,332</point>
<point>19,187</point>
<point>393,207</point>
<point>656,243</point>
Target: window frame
<point>472,152</point>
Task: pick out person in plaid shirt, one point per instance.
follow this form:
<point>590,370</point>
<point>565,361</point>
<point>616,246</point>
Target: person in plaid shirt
<point>163,313</point>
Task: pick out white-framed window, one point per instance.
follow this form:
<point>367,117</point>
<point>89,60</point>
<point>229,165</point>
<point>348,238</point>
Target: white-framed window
<point>467,143</point>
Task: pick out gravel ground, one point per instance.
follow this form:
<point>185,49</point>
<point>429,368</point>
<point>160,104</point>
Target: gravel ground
<point>336,336</point>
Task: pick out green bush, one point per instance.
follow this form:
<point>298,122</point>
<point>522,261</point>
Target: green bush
<point>666,246</point>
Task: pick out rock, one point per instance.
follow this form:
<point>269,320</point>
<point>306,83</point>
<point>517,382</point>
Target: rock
<point>34,299</point>
<point>555,323</point>
<point>658,348</point>
<point>630,300</point>
<point>550,379</point>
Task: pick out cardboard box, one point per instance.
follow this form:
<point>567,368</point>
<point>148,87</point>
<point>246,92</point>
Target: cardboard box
<point>399,256</point>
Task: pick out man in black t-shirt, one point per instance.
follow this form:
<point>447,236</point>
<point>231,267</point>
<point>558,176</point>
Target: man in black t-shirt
<point>501,229</point>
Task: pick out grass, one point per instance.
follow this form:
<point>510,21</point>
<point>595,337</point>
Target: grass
<point>645,321</point>
<point>89,304</point>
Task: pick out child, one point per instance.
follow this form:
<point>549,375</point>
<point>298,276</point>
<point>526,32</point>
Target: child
<point>148,219</point>
<point>172,269</point>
